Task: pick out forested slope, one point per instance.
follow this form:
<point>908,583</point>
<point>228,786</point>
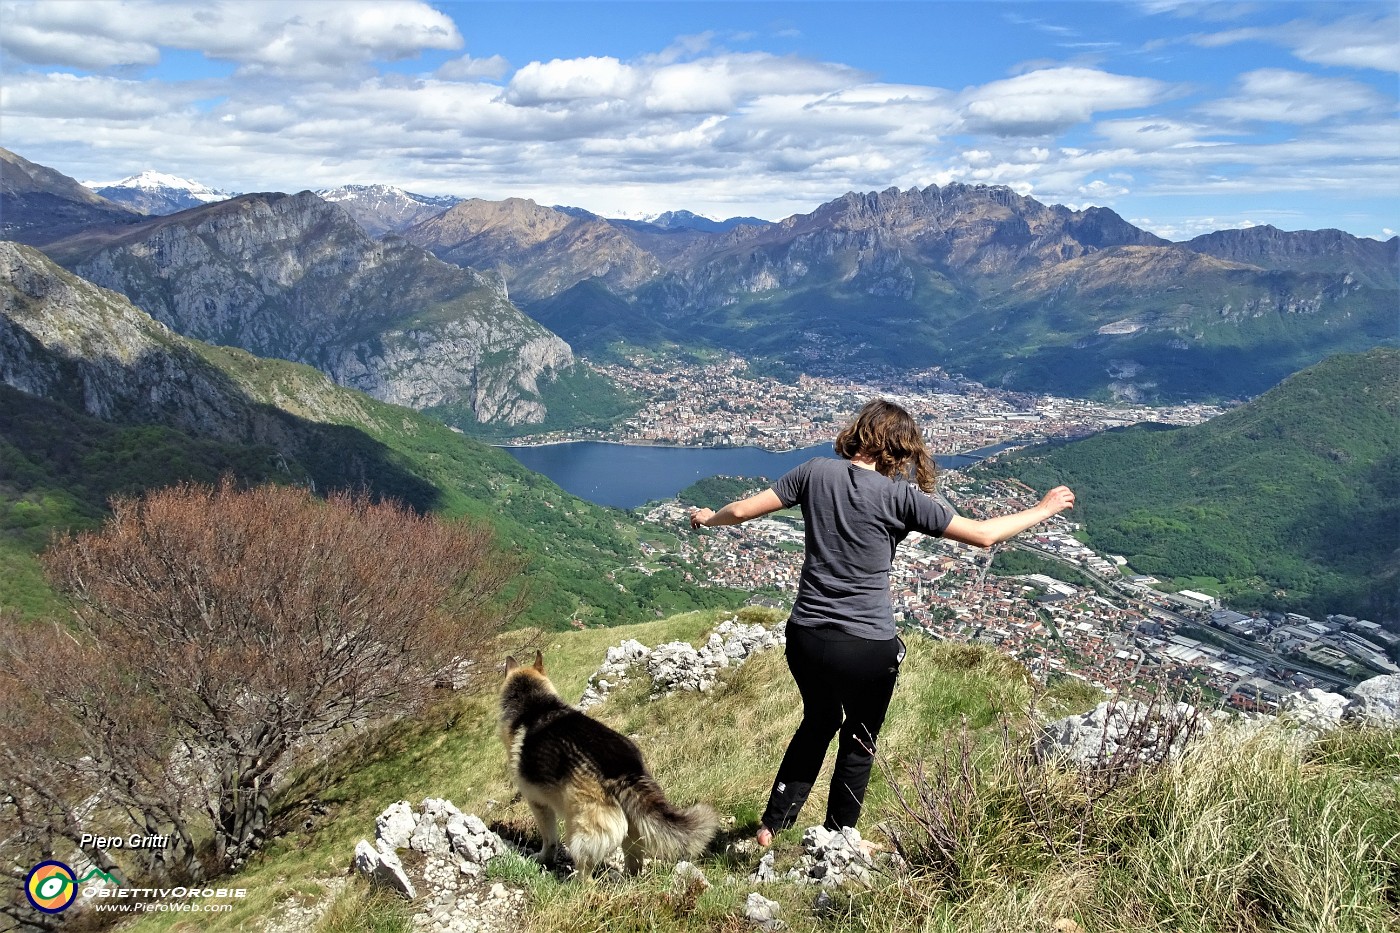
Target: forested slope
<point>1291,501</point>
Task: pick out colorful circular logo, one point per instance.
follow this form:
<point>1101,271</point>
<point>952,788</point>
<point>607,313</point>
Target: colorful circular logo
<point>51,887</point>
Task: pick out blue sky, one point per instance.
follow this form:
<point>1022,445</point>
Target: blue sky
<point>1183,117</point>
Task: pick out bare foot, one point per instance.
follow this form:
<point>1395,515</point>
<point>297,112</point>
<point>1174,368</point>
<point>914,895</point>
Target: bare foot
<point>765,837</point>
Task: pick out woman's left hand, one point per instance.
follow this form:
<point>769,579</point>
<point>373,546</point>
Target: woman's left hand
<point>1057,500</point>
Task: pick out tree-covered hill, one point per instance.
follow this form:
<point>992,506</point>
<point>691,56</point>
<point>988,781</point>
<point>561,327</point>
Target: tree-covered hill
<point>1291,501</point>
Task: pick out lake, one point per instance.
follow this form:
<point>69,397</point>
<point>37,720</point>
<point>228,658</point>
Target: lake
<point>625,476</point>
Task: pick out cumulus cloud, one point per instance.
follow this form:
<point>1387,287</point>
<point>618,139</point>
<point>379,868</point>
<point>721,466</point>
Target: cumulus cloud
<point>563,81</point>
<point>283,37</point>
<point>1099,191</point>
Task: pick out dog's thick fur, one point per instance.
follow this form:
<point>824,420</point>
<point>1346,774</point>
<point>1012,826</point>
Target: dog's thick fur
<point>570,766</point>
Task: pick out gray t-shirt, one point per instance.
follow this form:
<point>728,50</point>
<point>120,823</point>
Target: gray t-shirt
<point>854,520</point>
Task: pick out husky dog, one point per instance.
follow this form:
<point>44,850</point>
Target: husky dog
<point>568,765</point>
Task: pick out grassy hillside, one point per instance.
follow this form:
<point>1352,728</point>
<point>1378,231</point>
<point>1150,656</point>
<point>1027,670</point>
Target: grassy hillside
<point>1291,501</point>
<point>1242,835</point>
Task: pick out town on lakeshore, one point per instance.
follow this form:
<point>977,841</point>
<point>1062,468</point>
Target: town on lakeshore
<point>723,404</point>
<point>1101,624</point>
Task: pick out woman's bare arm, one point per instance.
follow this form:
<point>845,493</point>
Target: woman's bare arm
<point>985,532</point>
<point>741,510</point>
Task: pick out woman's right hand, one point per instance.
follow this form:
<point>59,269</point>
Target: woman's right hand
<point>699,517</point>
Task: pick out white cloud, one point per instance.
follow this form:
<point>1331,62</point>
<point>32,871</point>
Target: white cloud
<point>466,67</point>
<point>67,97</point>
<point>563,81</point>
<point>1274,94</point>
<point>1150,134</point>
<point>283,37</point>
<point>89,52</point>
<point>1051,100</point>
<point>1100,192</point>
<point>1371,42</point>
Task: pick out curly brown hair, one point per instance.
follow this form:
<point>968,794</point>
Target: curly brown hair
<point>887,434</point>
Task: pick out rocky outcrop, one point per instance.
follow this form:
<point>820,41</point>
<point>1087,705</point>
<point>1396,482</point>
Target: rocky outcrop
<point>830,859</point>
<point>1121,735</point>
<point>291,276</point>
<point>447,880</point>
<point>680,666</point>
<point>1124,735</point>
<point>1373,703</point>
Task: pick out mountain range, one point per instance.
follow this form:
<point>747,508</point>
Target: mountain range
<point>382,209</point>
<point>294,277</point>
<point>38,204</point>
<point>977,280</point>
<point>669,220</point>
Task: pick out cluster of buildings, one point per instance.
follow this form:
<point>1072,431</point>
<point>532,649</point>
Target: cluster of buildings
<point>1340,641</point>
<point>725,404</point>
<point>1119,635</point>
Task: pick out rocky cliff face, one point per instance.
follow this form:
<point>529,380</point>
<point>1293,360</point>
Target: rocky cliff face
<point>295,277</point>
<point>64,339</point>
<point>537,251</point>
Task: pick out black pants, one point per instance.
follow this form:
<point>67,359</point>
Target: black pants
<point>846,683</point>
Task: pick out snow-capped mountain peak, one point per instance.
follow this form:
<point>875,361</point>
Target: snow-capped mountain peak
<point>382,209</point>
<point>163,182</point>
<point>158,192</point>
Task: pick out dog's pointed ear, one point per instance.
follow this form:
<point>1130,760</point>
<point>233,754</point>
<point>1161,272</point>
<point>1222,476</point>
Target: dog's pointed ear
<point>510,665</point>
<point>539,661</point>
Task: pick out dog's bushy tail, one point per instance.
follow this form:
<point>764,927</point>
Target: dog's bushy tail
<point>666,832</point>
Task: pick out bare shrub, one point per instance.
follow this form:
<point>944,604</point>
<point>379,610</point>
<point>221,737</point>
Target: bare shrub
<point>219,632</point>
